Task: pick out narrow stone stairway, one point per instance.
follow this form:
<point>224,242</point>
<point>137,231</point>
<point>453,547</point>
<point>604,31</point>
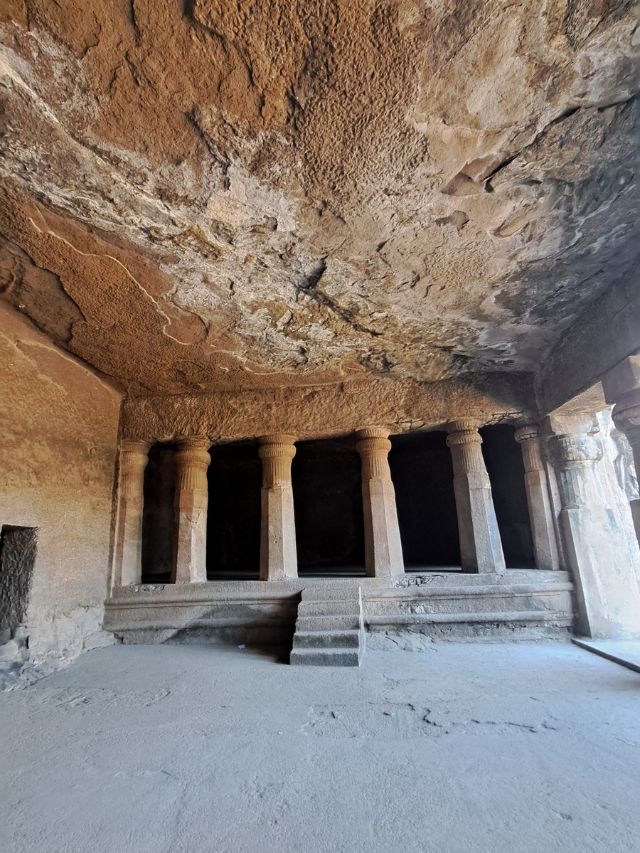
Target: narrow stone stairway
<point>329,627</point>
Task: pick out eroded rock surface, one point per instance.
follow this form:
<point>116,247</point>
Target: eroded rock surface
<point>208,195</point>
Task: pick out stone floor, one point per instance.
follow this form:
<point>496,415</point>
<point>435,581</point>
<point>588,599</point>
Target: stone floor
<point>457,748</point>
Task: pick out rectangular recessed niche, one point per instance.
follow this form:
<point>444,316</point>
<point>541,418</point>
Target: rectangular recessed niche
<point>17,559</point>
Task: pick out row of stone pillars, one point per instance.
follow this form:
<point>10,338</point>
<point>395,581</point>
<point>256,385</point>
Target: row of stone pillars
<point>480,545</point>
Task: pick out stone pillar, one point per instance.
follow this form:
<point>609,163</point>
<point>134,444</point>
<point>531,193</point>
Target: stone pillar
<point>128,540</point>
<point>191,503</point>
<point>383,548</point>
<point>278,551</point>
<point>606,582</point>
<point>537,487</point>
<point>622,387</point>
<point>480,544</point>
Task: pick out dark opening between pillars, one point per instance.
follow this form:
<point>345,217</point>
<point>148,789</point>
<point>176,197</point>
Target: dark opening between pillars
<point>423,480</point>
<point>233,518</point>
<point>503,458</point>
<point>327,492</point>
<point>158,520</point>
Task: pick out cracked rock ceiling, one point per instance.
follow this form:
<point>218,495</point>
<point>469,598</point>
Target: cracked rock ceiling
<point>204,195</point>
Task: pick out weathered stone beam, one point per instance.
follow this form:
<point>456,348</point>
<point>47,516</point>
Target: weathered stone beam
<point>322,410</point>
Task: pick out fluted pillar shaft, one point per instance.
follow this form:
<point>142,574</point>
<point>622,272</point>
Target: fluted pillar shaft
<point>480,544</point>
<point>191,504</point>
<point>128,539</point>
<point>278,552</point>
<point>383,548</point>
<point>545,548</point>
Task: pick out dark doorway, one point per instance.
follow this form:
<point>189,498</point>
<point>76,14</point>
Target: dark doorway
<point>503,459</point>
<point>233,519</point>
<point>327,492</point>
<point>17,560</point>
<point>158,520</point>
<point>423,480</point>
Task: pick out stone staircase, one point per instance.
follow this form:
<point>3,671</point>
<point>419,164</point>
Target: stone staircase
<point>329,627</point>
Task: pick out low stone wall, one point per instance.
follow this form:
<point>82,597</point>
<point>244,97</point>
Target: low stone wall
<point>530,603</point>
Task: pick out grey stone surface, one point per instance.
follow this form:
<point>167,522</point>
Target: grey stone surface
<point>488,748</point>
<point>450,604</point>
<point>329,631</point>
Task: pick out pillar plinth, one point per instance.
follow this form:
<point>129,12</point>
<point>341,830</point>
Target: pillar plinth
<point>607,589</point>
<point>278,552</point>
<point>480,544</point>
<point>383,548</point>
<point>537,487</point>
<point>191,504</point>
<point>128,540</point>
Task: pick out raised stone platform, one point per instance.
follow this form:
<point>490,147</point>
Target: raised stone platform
<point>527,603</point>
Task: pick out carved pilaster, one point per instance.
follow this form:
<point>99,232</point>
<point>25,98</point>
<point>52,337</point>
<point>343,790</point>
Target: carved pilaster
<point>128,537</point>
<point>480,544</point>
<point>191,504</point>
<point>537,487</point>
<point>383,548</point>
<point>278,552</point>
<point>626,416</point>
<point>606,584</point>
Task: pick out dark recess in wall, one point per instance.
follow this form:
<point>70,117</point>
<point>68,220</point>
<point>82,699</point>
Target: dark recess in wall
<point>17,559</point>
<point>327,490</point>
<point>423,480</point>
<point>158,515</point>
<point>233,519</point>
<point>503,458</point>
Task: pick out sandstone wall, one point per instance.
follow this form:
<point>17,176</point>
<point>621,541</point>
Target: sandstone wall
<point>59,427</point>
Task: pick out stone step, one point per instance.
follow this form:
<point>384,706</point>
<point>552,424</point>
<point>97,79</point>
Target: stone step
<point>332,590</point>
<point>326,639</point>
<point>326,657</point>
<point>334,607</point>
<point>336,622</point>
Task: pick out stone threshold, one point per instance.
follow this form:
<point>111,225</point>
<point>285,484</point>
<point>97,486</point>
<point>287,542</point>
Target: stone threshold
<point>623,652</point>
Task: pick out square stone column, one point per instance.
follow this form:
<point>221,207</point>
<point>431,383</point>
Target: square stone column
<point>191,505</point>
<point>543,533</point>
<point>128,538</point>
<point>278,551</point>
<point>480,543</point>
<point>605,573</point>
<point>383,548</point>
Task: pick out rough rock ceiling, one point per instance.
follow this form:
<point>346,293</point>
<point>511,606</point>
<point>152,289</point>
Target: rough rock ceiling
<point>224,193</point>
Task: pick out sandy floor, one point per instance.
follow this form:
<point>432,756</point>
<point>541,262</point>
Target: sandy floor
<point>465,747</point>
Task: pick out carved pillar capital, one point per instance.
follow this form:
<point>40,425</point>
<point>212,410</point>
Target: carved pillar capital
<point>528,437</point>
<point>573,455</point>
<point>574,450</point>
<point>277,452</point>
<point>373,445</point>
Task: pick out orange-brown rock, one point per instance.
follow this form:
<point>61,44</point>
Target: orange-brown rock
<point>208,195</point>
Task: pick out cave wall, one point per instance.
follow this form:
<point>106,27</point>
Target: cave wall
<point>59,425</point>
